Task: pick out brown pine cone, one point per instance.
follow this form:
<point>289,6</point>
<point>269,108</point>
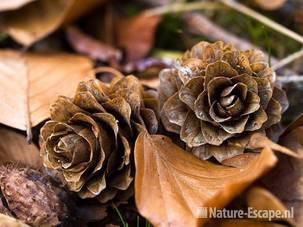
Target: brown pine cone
<point>89,138</point>
<point>215,97</point>
<point>27,195</point>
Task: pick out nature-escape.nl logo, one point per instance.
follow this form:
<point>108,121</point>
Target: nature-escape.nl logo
<point>210,212</point>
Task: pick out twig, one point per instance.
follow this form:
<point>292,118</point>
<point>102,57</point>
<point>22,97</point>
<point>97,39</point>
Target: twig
<point>182,7</point>
<point>288,59</point>
<point>201,25</point>
<point>292,78</point>
<point>272,24</point>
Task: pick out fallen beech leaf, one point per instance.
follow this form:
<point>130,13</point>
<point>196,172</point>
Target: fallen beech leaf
<point>259,140</point>
<point>171,185</point>
<point>7,221</point>
<point>13,4</point>
<point>87,45</point>
<point>36,20</point>
<point>260,199</point>
<point>240,160</point>
<point>285,180</point>
<point>136,35</point>
<point>15,149</point>
<point>31,82</point>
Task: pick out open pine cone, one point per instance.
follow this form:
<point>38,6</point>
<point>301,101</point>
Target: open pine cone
<point>216,97</point>
<point>89,138</point>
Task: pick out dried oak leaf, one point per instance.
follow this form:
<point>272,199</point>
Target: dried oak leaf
<point>216,97</point>
<point>39,18</point>
<point>15,149</point>
<point>89,139</point>
<point>31,82</point>
<point>285,180</point>
<point>171,184</point>
<point>136,34</point>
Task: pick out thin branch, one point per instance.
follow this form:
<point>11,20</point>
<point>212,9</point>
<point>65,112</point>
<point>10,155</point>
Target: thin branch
<point>288,59</point>
<point>272,24</point>
<point>201,25</point>
<point>182,7</point>
<point>292,78</point>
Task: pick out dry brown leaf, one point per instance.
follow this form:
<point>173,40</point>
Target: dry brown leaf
<point>285,180</point>
<point>31,82</point>
<point>260,199</point>
<point>136,35</point>
<point>13,4</point>
<point>87,45</point>
<point>36,20</point>
<point>15,149</point>
<point>259,140</point>
<point>240,160</point>
<point>171,184</point>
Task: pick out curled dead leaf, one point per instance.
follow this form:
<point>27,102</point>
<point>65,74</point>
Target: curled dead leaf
<point>257,200</point>
<point>87,45</point>
<point>259,140</point>
<point>136,34</point>
<point>261,199</point>
<point>30,84</point>
<point>240,160</point>
<point>39,18</point>
<point>15,149</point>
<point>171,184</point>
<point>285,180</point>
